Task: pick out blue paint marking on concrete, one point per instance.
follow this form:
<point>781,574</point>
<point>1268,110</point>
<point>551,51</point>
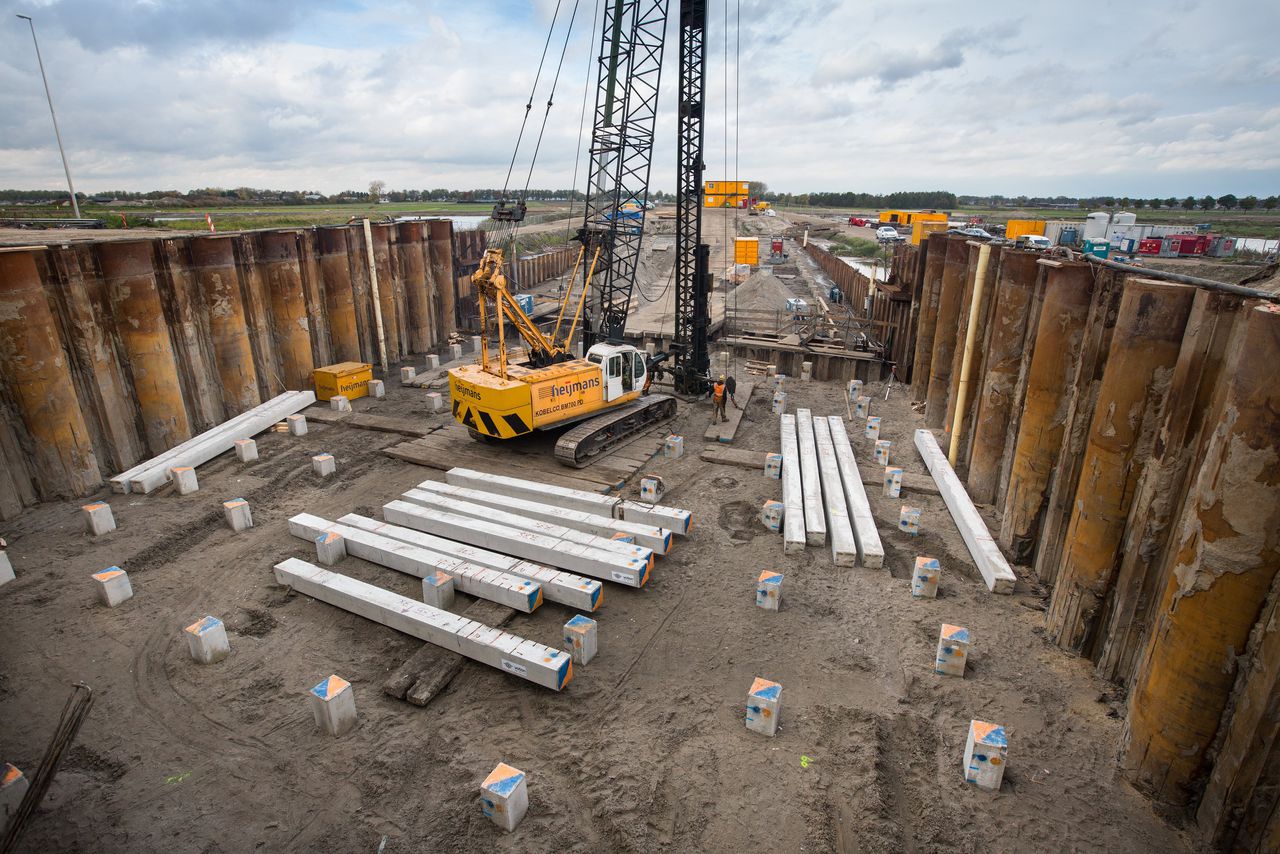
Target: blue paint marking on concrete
<point>769,693</point>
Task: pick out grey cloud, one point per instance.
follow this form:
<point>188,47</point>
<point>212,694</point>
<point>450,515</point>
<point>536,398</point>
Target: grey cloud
<point>166,26</point>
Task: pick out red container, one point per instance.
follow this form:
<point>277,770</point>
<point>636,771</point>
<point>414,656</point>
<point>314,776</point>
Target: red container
<point>1150,246</point>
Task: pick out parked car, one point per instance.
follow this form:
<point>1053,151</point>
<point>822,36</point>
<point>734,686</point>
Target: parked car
<point>887,234</point>
<point>1034,241</point>
<point>974,231</point>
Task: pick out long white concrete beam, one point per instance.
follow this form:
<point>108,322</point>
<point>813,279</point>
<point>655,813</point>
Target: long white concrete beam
<point>982,547</point>
<point>585,594</point>
<point>504,588</point>
<point>674,519</point>
<point>870,549</point>
<point>518,542</point>
<point>815,523</point>
<point>658,539</point>
<point>844,547</point>
<point>793,534</point>
<point>434,500</point>
<point>526,659</point>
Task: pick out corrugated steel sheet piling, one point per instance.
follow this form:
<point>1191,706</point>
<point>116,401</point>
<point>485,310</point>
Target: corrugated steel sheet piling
<point>1014,289</point>
<point>278,254</point>
<point>1144,349</point>
<point>1219,577</point>
<point>417,293</point>
<point>441,247</point>
<point>129,270</point>
<point>215,270</point>
<point>1068,288</point>
<point>946,327</point>
<point>33,366</point>
<point>1164,481</point>
<point>928,316</point>
<point>339,296</point>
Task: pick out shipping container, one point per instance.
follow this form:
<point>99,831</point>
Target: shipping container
<point>746,250</point>
<point>920,229</point>
<point>1015,228</point>
<point>727,188</point>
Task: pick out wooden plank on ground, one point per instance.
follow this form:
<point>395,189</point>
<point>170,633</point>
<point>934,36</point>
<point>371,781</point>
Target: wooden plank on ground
<point>733,457</point>
<point>726,430</point>
<point>443,459</point>
<point>414,427</point>
<point>432,666</point>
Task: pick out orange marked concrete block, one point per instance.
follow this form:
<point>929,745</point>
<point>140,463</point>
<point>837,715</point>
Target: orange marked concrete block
<point>246,450</point>
<point>98,518</point>
<point>333,705</point>
<point>13,788</point>
<point>504,795</point>
<point>580,639</point>
<point>438,589</point>
<point>237,514</point>
<point>331,547</point>
<point>113,586</point>
<point>769,590</point>
<point>985,753</point>
<point>764,707</point>
<point>207,640</point>
<point>298,425</point>
<point>184,479</point>
<point>953,651</point>
<point>323,464</point>
<point>924,580</point>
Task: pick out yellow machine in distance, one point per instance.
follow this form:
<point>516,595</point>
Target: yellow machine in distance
<point>497,399</point>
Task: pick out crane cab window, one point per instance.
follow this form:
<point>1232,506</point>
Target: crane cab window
<point>638,365</point>
<point>615,367</point>
<point>628,371</point>
<point>595,357</point>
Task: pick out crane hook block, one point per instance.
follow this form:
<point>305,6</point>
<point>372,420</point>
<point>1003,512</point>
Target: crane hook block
<point>514,213</point>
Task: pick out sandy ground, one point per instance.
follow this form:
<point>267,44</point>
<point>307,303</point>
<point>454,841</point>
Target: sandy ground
<point>646,750</point>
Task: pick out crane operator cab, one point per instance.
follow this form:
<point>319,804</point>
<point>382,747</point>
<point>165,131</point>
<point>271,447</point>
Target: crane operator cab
<point>623,369</point>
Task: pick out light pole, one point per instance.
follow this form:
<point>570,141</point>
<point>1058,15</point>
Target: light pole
<point>75,206</point>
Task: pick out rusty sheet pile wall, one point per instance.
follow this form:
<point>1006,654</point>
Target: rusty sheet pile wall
<point>890,309</point>
<point>1127,433</point>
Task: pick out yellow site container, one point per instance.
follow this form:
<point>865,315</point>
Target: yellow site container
<point>1015,228</point>
<point>346,378</point>
<point>746,250</point>
<point>922,228</point>
<point>727,188</point>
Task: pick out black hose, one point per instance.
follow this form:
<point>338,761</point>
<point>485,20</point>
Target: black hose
<point>1207,284</point>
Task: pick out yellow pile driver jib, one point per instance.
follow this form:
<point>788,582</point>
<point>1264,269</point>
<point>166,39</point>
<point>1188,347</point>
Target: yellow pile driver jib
<point>498,399</point>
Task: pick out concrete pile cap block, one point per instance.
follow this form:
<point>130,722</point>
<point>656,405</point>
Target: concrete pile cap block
<point>113,586</point>
<point>323,464</point>
<point>873,427</point>
<point>504,796</point>
<point>331,547</point>
<point>435,402</point>
<point>585,594</point>
<point>207,640</point>
<point>909,520</point>
<point>953,650</point>
<point>377,389</point>
<point>475,343</point>
<point>779,402</point>
<point>529,660</point>
<point>408,375</point>
<point>770,370</point>
<point>773,466</point>
<point>246,450</point>
<point>433,362</point>
<point>973,530</point>
<point>652,488</point>
<point>455,351</point>
<point>98,518</point>
<point>769,590</point>
<point>862,407</point>
<point>985,753</point>
<point>184,478</point>
<point>882,451</point>
<point>772,514</point>
<point>855,389</point>
<point>6,568</point>
<point>892,482</point>
<point>238,515</point>
<point>513,591</point>
<point>673,447</point>
<point>438,590</point>
<point>340,403</point>
<point>13,788</point>
<point>764,706</point>
<point>580,639</point>
<point>333,705</point>
<point>924,580</point>
<point>297,424</point>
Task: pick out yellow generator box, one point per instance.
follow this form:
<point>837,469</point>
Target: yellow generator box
<point>1015,228</point>
<point>746,250</point>
<point>346,378</point>
<point>922,228</point>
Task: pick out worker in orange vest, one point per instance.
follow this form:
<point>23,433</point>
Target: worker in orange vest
<point>718,397</point>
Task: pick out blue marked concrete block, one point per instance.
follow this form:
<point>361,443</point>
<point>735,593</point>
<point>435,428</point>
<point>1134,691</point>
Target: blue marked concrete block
<point>769,590</point>
<point>924,581</point>
<point>773,466</point>
<point>333,705</point>
<point>113,586</point>
<point>909,520</point>
<point>207,640</point>
<point>764,706</point>
<point>504,796</point>
<point>580,639</point>
<point>953,650</point>
<point>985,754</point>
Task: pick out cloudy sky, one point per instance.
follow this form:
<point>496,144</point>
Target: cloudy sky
<point>1127,99</point>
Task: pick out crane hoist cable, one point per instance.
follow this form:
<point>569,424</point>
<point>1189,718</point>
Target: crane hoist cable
<point>582,119</point>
